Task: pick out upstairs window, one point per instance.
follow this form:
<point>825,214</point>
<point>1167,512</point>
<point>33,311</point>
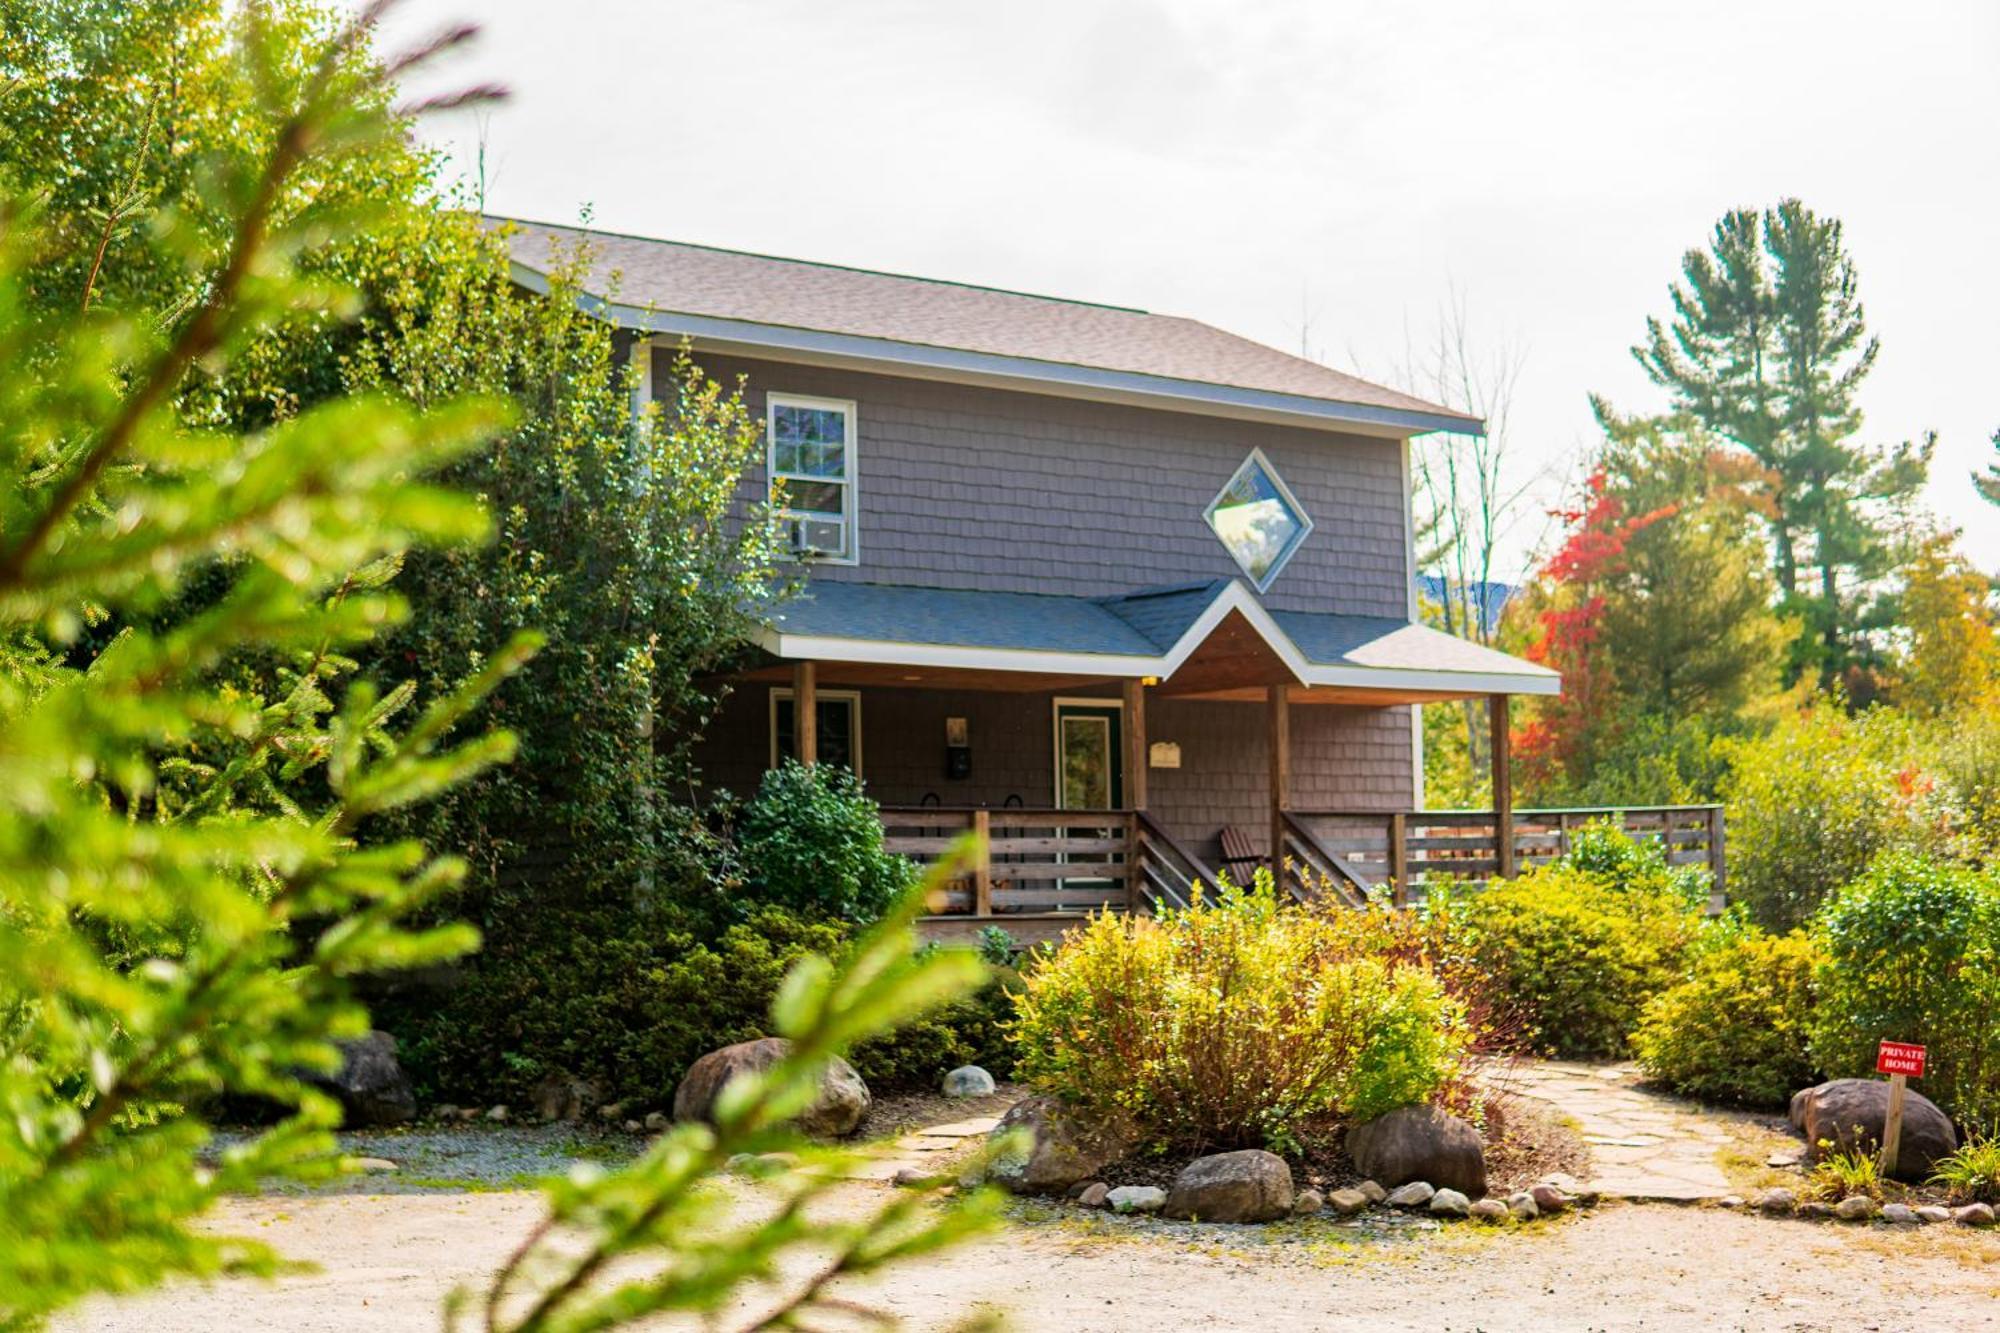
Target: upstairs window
<point>812,474</point>
<point>1257,518</point>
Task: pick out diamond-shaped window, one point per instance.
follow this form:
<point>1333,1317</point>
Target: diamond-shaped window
<point>1259,519</point>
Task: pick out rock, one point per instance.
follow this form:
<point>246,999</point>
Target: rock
<point>1373,1192</point>
<point>1549,1199</point>
<point>1730,1201</point>
<point>1450,1203</point>
<point>1136,1199</point>
<point>1523,1206</point>
<point>1974,1215</point>
<point>444,1112</point>
<point>468,1114</point>
<point>1488,1210</point>
<point>1420,1143</point>
<point>912,1178</point>
<point>1932,1214</point>
<point>837,1112</point>
<point>1247,1186</point>
<point>1848,1112</point>
<point>968,1081</point>
<point>370,1084</point>
<point>1855,1208</point>
<point>560,1097</point>
<point>372,1164</point>
<point>1816,1210</point>
<point>1416,1194</point>
<point>635,1126</point>
<point>656,1122</point>
<point>611,1112</point>
<point>1900,1214</point>
<point>1347,1202</point>
<point>497,1114</point>
<point>1777,1201</point>
<point>1308,1203</point>
<point>1094,1194</point>
<point>1064,1145</point>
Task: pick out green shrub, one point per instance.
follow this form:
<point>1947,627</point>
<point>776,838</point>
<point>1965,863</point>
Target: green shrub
<point>1574,956</point>
<point>1814,801</point>
<point>1735,1030</point>
<point>1604,851</point>
<point>1972,1174</point>
<point>1911,952</point>
<point>969,1031</point>
<point>811,841</point>
<point>1226,1024</point>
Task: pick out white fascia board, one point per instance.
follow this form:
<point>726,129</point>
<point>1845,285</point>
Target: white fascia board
<point>827,648</point>
<point>1235,597</point>
<point>1443,682</point>
<point>1058,377</point>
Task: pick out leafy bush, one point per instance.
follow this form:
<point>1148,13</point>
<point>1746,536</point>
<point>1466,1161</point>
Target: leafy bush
<point>1911,952</point>
<point>1814,801</point>
<point>1575,956</point>
<point>811,841</point>
<point>1604,851</point>
<point>969,1031</point>
<point>1735,1030</point>
<point>1972,1174</point>
<point>1225,1024</point>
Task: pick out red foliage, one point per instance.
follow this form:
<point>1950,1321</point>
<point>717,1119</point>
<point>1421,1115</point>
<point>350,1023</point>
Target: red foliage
<point>1568,640</point>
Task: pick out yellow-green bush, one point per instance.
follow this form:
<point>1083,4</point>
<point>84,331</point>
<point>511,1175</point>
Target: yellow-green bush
<point>1574,956</point>
<point>1226,1024</point>
<point>1735,1030</point>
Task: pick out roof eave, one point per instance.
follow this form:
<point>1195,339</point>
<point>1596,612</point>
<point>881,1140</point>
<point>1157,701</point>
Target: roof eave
<point>925,360</point>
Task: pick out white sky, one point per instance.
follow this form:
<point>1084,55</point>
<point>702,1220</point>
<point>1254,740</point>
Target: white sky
<point>1265,165</point>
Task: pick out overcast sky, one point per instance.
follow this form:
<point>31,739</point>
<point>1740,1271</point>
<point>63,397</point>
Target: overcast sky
<point>1307,173</point>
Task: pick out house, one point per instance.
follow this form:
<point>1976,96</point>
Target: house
<point>1132,595</point>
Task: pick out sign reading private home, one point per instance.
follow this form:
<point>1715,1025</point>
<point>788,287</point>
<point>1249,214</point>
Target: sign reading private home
<point>1900,1057</point>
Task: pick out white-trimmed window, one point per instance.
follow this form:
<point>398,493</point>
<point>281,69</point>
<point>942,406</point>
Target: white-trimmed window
<point>839,738</point>
<point>811,458</point>
<point>1258,519</point>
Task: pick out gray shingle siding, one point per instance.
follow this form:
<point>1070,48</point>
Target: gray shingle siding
<point>968,487</point>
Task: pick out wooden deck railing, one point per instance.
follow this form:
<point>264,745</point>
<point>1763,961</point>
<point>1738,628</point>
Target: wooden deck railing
<point>1407,849</point>
<point>1050,861</point>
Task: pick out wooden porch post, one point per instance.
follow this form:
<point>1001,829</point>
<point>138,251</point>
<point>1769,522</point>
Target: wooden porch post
<point>1503,784</point>
<point>1135,744</point>
<point>805,712</point>
<point>1280,742</point>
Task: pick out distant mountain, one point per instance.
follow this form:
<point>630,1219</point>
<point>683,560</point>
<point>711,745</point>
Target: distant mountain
<point>1490,598</point>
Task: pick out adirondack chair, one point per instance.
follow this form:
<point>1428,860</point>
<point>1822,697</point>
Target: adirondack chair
<point>1240,857</point>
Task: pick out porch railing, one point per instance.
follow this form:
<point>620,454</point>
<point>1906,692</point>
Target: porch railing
<point>1406,849</point>
<point>1050,861</point>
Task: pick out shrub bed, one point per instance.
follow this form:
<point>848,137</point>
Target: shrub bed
<point>1226,1025</point>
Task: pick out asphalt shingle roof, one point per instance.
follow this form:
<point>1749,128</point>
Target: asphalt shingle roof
<point>671,276</point>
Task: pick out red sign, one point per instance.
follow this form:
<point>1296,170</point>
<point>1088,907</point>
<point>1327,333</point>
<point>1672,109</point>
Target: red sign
<point>1900,1057</point>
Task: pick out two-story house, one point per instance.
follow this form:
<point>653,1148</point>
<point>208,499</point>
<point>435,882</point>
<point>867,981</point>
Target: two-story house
<point>1134,595</point>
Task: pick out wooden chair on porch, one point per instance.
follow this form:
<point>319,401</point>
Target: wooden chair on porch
<point>1240,857</point>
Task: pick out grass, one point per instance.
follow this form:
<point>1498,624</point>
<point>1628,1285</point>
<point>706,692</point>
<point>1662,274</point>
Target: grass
<point>1972,1174</point>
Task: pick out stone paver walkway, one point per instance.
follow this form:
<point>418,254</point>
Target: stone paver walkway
<point>1646,1145</point>
<point>918,1150</point>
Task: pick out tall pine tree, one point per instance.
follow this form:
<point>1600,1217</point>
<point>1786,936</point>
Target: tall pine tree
<point>1767,349</point>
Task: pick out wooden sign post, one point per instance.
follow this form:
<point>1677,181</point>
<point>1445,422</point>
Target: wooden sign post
<point>1899,1060</point>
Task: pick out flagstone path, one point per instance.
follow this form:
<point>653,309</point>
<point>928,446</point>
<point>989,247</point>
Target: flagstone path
<point>922,1150</point>
<point>1645,1145</point>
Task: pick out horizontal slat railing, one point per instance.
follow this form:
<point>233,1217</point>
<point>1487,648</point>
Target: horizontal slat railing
<point>1036,861</point>
<point>1405,850</point>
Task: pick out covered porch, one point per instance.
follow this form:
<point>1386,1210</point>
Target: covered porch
<point>1112,752</point>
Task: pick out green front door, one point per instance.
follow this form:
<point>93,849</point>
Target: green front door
<point>1089,757</point>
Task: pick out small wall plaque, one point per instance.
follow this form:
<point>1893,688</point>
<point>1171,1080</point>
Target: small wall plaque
<point>1163,754</point>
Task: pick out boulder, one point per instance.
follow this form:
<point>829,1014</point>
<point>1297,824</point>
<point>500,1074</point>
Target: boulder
<point>1416,1194</point>
<point>560,1097</point>
<point>1308,1203</point>
<point>1064,1145</point>
<point>1420,1143</point>
<point>968,1081</point>
<point>1347,1202</point>
<point>370,1084</point>
<point>1855,1208</point>
<point>1974,1215</point>
<point>1488,1210</point>
<point>1900,1214</point>
<point>1247,1186</point>
<point>1373,1192</point>
<point>1094,1194</point>
<point>497,1114</point>
<point>1848,1112</point>
<point>1450,1203</point>
<point>1933,1213</point>
<point>837,1112</point>
<point>1136,1199</point>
